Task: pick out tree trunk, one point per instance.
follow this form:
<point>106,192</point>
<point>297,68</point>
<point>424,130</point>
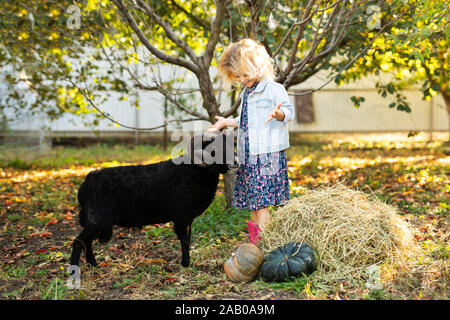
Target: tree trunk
<point>230,177</point>
<point>209,98</point>
<point>228,181</point>
<point>447,102</point>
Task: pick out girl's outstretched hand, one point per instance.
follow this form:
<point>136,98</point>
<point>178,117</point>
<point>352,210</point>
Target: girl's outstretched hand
<point>276,113</point>
<point>221,122</point>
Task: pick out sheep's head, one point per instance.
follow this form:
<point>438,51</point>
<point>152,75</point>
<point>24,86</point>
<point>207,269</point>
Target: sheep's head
<point>215,149</point>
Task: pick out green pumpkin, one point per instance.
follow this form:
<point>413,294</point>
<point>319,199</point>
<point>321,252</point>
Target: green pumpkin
<point>291,260</point>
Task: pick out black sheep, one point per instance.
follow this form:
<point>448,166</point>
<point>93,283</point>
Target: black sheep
<point>139,195</point>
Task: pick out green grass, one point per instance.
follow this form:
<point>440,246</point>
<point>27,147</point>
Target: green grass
<point>419,189</point>
<point>218,223</point>
<point>56,290</point>
<point>61,157</point>
<point>296,285</point>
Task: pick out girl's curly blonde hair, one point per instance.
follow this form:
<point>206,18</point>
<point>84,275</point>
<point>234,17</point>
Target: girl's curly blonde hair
<point>245,56</point>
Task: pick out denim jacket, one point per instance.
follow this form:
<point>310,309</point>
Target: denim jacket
<point>273,136</point>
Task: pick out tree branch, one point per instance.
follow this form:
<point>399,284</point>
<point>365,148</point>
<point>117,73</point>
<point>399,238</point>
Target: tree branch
<point>178,104</point>
<point>353,59</point>
<point>138,83</point>
<point>253,18</point>
<point>266,21</point>
<point>86,94</point>
<point>315,43</point>
<point>159,54</point>
<point>170,33</point>
<point>298,37</point>
<point>236,105</point>
<point>215,32</point>
<point>204,24</point>
<point>242,20</point>
<point>286,36</point>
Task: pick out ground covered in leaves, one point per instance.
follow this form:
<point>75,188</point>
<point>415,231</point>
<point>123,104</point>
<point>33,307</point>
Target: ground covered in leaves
<point>38,222</point>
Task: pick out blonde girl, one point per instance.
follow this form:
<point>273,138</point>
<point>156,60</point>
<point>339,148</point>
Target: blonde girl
<point>262,176</point>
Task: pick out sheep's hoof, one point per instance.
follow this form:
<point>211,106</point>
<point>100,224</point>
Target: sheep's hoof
<point>93,264</point>
<point>185,263</point>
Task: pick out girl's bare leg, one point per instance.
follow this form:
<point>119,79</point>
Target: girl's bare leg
<point>261,217</point>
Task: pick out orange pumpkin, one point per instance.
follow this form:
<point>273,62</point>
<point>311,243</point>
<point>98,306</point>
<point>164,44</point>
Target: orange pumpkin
<point>244,263</point>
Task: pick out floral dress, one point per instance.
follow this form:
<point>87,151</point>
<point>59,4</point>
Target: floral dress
<point>262,179</point>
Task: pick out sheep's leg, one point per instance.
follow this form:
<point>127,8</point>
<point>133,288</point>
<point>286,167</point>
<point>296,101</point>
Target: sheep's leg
<point>183,232</point>
<point>77,248</point>
<point>103,234</point>
<point>84,243</point>
<point>90,257</point>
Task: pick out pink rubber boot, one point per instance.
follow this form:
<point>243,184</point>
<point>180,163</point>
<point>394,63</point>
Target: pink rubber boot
<point>253,232</point>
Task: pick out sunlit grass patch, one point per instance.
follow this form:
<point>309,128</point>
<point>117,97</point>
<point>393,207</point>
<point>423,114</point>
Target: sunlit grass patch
<point>63,157</point>
<point>388,141</point>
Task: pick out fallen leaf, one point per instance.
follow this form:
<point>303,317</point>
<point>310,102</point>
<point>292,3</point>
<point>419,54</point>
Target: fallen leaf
<point>171,279</point>
<point>45,234</point>
<point>129,286</point>
<point>116,249</point>
<point>21,253</point>
<point>120,235</point>
<point>52,221</point>
<point>155,261</point>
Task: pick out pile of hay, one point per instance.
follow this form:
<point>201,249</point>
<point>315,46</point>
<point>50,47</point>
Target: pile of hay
<point>349,230</point>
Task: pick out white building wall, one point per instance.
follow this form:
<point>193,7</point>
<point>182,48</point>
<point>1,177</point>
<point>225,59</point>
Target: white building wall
<point>334,111</point>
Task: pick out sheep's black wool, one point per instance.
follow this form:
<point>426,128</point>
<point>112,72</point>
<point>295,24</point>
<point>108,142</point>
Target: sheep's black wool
<point>135,196</point>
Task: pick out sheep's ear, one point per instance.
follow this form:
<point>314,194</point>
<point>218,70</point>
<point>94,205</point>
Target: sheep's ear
<point>211,135</point>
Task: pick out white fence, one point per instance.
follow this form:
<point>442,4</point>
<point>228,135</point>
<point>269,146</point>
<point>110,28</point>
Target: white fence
<point>332,107</point>
<point>333,112</point>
